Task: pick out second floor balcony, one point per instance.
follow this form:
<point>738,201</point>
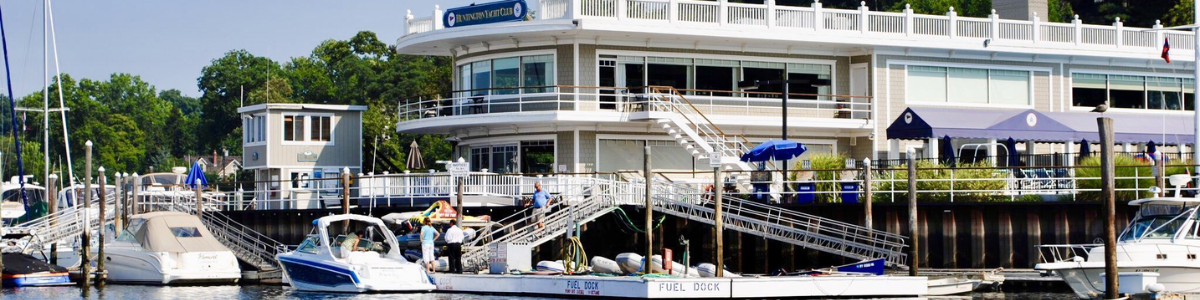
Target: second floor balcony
<point>620,104</point>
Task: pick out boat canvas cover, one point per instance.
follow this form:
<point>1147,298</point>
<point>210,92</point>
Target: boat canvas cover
<point>158,233</point>
<point>21,264</point>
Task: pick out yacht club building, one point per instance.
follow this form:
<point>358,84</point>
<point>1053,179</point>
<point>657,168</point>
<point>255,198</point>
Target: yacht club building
<point>582,85</point>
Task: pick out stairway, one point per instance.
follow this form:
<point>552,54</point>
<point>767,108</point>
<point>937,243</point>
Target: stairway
<point>523,228</point>
<point>62,225</point>
<point>670,109</point>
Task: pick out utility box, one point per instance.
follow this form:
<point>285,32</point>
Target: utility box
<point>503,257</point>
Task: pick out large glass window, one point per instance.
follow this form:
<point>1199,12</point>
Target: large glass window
<point>481,158</point>
<point>764,72</point>
<point>320,131</point>
<point>506,73</point>
<point>537,71</point>
<point>968,86</point>
<point>1009,87</point>
<point>1126,91</point>
<point>712,79</point>
<point>537,157</point>
<point>673,75</point>
<point>1089,90</point>
<point>481,77</point>
<point>926,84</point>
<point>811,72</point>
<point>1164,93</point>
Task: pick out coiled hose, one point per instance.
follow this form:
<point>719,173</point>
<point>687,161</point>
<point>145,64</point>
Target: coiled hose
<point>575,260</point>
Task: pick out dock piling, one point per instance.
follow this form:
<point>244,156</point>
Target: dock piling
<point>867,193</point>
<point>719,221</point>
<point>53,201</point>
<point>649,213</point>
<point>912,212</point>
<point>1108,183</point>
<point>85,242</point>
<point>100,233</point>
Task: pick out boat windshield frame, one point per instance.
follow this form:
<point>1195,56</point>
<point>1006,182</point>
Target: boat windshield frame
<point>1186,212</point>
<point>327,241</point>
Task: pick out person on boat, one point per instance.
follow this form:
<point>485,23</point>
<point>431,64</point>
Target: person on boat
<point>428,235</point>
<point>541,203</point>
<point>454,239</point>
<point>348,243</point>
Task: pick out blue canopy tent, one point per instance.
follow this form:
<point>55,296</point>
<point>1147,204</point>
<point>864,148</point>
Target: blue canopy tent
<point>1014,158</point>
<point>196,174</point>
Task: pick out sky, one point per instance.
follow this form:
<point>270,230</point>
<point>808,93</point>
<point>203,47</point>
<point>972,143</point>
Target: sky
<point>168,42</point>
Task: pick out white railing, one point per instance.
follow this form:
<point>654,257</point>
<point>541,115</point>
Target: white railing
<point>647,9</point>
<point>1061,33</point>
<point>931,25</point>
<point>974,29</point>
<point>567,98</point>
<point>699,11</point>
<point>794,17</point>
<point>747,14</point>
<point>862,20</point>
<point>554,9</point>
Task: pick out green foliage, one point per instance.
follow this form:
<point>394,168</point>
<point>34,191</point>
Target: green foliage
<point>965,8</point>
<point>981,184</point>
<point>1183,13</point>
<point>1127,168</point>
<point>821,162</point>
<point>1060,11</point>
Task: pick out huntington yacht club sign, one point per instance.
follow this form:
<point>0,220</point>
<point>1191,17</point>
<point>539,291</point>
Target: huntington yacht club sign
<point>493,12</point>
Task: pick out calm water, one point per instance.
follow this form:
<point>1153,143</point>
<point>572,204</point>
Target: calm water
<point>254,292</point>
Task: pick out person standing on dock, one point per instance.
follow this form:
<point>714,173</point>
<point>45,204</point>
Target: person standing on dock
<point>541,203</point>
<point>428,235</point>
<point>454,239</point>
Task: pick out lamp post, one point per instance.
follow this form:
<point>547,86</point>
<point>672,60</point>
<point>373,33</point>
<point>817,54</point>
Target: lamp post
<point>755,84</point>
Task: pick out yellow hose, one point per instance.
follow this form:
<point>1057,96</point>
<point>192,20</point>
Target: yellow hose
<point>574,258</point>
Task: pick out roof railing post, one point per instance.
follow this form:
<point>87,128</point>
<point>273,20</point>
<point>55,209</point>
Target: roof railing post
<point>1037,24</point>
<point>951,23</point>
<point>1119,27</point>
<point>863,16</point>
<point>408,22</point>
<point>1158,34</point>
<point>722,12</point>
<point>770,13</point>
<point>995,18</point>
<point>437,17</point>
<point>818,16</point>
<point>673,10</point>
<point>1078,30</point>
<point>908,20</point>
<point>622,9</point>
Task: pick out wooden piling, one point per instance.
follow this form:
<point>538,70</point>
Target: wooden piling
<point>346,197</point>
<point>719,221</point>
<point>912,213</point>
<point>1108,184</point>
<point>649,226</point>
<point>52,187</point>
<point>85,244</point>
<point>979,252</point>
<point>134,183</point>
<point>1005,239</point>
<point>100,278</point>
<point>868,193</point>
<point>1033,234</point>
<point>949,236</point>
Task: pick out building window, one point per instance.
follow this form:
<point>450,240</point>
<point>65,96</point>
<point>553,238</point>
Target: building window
<point>481,157</point>
<point>537,157</point>
<point>319,129</point>
<point>969,86</point>
<point>252,129</point>
<point>504,76</point>
<point>1132,92</point>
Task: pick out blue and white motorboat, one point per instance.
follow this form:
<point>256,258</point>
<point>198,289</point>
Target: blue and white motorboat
<point>374,263</point>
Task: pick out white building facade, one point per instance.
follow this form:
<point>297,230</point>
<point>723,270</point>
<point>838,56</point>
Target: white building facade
<point>567,89</point>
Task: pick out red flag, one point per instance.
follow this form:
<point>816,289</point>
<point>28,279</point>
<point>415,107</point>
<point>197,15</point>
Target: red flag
<point>1166,55</point>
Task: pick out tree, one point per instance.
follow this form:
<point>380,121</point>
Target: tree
<point>188,105</point>
<point>1060,11</point>
<point>1183,13</point>
<point>966,8</point>
<point>221,85</point>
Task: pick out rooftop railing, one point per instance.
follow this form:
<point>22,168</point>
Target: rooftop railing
<point>860,21</point>
<point>622,99</point>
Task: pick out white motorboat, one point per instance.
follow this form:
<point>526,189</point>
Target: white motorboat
<point>1163,238</point>
<point>375,264</point>
<point>952,286</point>
<point>14,209</point>
<point>168,248</point>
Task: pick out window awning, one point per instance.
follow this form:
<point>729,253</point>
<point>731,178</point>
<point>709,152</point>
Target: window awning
<point>1033,125</point>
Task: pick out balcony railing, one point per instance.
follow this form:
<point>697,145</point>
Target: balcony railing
<point>861,21</point>
<point>621,99</point>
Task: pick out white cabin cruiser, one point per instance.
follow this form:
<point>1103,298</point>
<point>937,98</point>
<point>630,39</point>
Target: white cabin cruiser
<point>375,264</point>
<point>168,248</point>
<point>1163,240</point>
<point>17,210</point>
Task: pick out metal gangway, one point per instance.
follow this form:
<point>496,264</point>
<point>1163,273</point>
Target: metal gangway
<point>684,201</point>
<point>62,225</point>
<point>248,245</point>
<point>522,227</point>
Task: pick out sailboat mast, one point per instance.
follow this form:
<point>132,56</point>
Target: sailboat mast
<point>46,96</point>
<point>62,106</point>
<point>12,104</point>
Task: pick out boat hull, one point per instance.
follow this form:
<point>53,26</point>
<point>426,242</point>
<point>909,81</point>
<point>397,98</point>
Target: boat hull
<point>1084,278</point>
<point>37,279</point>
<point>146,268</point>
<point>323,276</point>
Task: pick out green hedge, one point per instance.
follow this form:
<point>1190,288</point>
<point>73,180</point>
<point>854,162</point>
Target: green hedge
<point>1126,167</point>
<point>996,184</point>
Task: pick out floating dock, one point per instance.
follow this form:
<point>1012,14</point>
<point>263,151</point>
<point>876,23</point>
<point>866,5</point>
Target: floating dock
<point>682,288</point>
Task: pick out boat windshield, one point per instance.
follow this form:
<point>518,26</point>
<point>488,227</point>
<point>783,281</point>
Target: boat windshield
<point>370,238</point>
<point>1157,221</point>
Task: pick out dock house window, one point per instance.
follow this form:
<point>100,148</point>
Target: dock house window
<point>933,84</point>
<point>319,129</point>
<point>293,128</point>
<point>253,129</point>
<point>1132,92</point>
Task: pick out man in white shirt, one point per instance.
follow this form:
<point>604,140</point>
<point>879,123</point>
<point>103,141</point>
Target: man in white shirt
<point>454,239</point>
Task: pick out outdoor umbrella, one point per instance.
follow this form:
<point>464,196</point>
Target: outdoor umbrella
<point>415,162</point>
<point>947,154</point>
<point>196,174</point>
<point>1013,159</point>
<point>1151,148</point>
<point>774,150</point>
<point>1085,148</point>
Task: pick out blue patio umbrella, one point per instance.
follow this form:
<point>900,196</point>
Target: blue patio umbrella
<point>196,174</point>
<point>1085,148</point>
<point>1013,157</point>
<point>774,150</point>
<point>1151,148</point>
<point>947,153</point>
